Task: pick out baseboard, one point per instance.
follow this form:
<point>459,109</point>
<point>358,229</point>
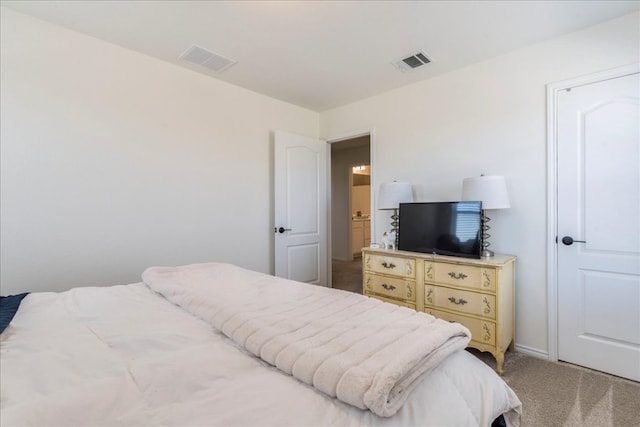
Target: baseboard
<point>533,352</point>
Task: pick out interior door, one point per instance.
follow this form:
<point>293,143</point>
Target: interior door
<point>598,201</point>
<point>301,208</point>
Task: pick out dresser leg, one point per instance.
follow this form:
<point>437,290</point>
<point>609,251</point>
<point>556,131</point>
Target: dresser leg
<point>499,361</point>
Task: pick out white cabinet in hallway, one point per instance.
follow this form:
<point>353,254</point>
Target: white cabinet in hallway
<point>360,234</point>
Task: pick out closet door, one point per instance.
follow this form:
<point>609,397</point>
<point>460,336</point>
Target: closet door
<point>598,200</point>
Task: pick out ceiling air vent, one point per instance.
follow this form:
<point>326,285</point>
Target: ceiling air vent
<point>412,62</point>
<point>205,58</point>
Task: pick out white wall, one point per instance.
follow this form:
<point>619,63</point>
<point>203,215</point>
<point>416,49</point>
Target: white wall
<point>489,118</point>
<point>113,161</point>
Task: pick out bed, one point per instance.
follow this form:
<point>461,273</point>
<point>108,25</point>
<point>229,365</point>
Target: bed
<point>215,344</point>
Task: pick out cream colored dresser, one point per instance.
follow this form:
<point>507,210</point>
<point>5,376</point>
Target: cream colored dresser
<point>479,293</point>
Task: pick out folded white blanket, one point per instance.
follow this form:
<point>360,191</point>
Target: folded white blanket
<point>364,352</point>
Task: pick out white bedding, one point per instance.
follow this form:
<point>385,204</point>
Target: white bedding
<point>124,355</point>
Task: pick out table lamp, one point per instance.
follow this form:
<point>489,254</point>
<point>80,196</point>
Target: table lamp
<point>391,195</point>
<point>492,192</point>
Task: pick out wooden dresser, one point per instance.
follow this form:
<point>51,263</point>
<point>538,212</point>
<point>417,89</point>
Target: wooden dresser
<point>479,293</point>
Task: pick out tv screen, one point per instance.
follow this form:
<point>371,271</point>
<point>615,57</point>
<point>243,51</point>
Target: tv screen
<point>444,228</point>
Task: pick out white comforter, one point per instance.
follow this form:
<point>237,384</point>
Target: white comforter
<point>124,355</point>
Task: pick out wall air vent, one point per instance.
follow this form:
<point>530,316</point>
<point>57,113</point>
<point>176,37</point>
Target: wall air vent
<point>412,62</point>
<point>213,61</point>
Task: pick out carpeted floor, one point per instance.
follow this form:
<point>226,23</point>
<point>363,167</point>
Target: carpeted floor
<point>564,395</point>
<point>552,394</point>
<point>347,275</point>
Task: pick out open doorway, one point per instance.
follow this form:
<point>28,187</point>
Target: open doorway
<point>350,210</point>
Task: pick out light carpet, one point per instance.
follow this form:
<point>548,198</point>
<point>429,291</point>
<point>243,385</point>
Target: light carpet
<point>564,395</point>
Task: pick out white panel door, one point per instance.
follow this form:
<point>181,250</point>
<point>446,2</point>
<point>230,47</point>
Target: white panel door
<point>301,208</point>
<point>598,200</point>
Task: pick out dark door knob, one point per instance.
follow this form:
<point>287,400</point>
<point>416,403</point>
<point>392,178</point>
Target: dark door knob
<point>282,230</point>
<point>568,240</point>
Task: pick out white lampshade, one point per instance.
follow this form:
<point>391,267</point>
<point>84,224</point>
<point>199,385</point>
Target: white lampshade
<point>394,193</point>
<point>490,190</point>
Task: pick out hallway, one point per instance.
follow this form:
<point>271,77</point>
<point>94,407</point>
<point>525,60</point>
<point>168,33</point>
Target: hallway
<point>347,275</point>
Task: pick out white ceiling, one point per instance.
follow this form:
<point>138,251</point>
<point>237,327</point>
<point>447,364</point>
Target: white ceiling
<point>323,54</point>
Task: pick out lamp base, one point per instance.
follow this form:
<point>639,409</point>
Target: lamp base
<point>486,253</point>
<point>395,221</point>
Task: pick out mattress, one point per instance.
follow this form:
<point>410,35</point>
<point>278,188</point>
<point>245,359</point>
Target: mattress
<point>125,355</point>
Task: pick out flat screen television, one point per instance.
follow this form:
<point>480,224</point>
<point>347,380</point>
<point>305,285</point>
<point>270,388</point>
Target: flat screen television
<point>443,228</point>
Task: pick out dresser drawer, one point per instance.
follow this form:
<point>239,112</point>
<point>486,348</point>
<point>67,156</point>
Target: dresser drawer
<point>482,331</point>
<point>390,286</point>
<point>468,276</point>
<point>392,301</point>
<point>459,300</point>
<point>391,265</point>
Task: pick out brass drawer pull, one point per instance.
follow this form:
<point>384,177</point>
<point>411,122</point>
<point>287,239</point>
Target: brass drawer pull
<point>458,302</point>
<point>389,265</point>
<point>388,287</point>
<point>457,276</point>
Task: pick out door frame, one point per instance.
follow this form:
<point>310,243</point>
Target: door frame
<point>552,190</point>
<point>356,133</point>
